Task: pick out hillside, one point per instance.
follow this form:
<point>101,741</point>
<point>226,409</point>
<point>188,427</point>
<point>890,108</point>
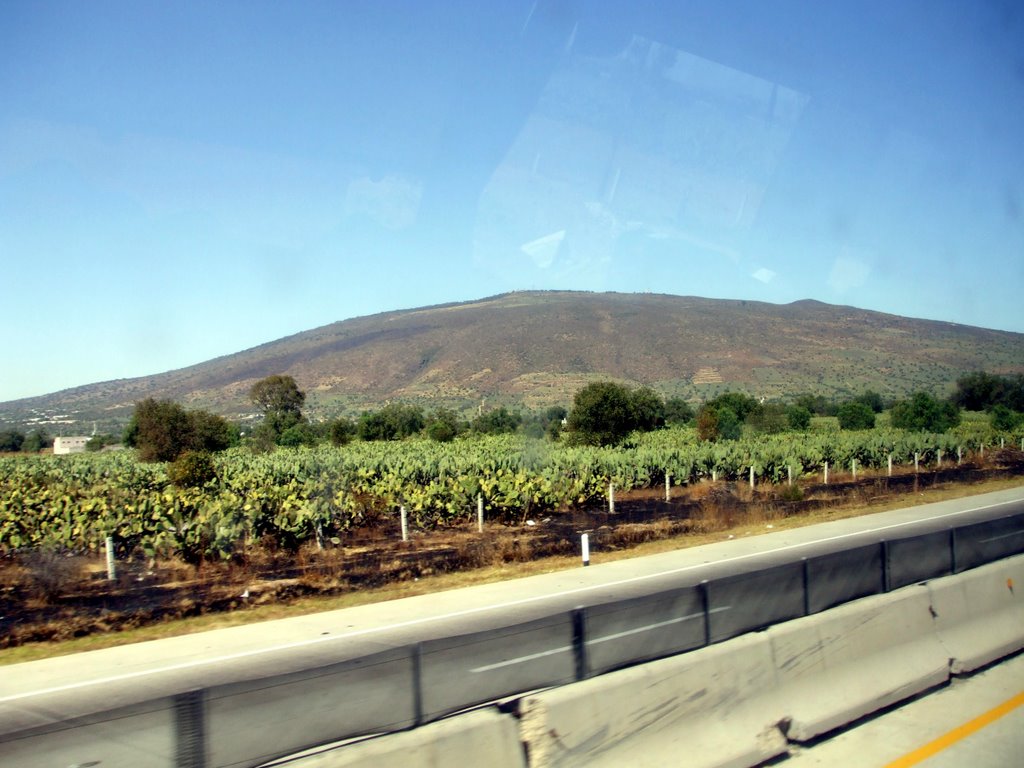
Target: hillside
<point>536,348</point>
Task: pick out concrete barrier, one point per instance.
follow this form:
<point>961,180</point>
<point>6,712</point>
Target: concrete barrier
<point>918,558</point>
<point>464,670</point>
<point>840,577</point>
<point>480,737</point>
<point>87,740</point>
<point>834,667</point>
<point>737,703</point>
<point>979,614</point>
<point>749,601</point>
<point>710,707</point>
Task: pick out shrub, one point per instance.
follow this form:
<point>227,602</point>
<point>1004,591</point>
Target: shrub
<point>1003,419</point>
<point>799,418</point>
<point>718,423</point>
<point>193,469</point>
<point>11,441</point>
<point>678,411</point>
<point>769,419</point>
<point>856,415</point>
<point>602,414</point>
<point>392,422</point>
<point>923,413</point>
<point>298,434</point>
<point>500,421</point>
<point>341,431</point>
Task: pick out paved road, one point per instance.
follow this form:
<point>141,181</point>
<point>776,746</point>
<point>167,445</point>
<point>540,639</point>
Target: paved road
<point>977,721</point>
<point>54,690</point>
<point>212,656</point>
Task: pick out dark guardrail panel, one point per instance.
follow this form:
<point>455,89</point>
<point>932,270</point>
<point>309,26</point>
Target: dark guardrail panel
<point>839,577</point>
<point>918,558</point>
<point>985,542</point>
<point>252,722</point>
<point>749,601</point>
<point>623,633</point>
<point>457,672</point>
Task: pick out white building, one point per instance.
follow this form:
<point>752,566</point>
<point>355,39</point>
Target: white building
<point>73,444</point>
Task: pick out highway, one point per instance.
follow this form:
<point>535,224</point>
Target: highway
<point>279,686</point>
<point>977,721</point>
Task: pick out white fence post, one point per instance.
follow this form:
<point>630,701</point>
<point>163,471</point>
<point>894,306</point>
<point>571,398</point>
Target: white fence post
<point>111,564</point>
<point>405,524</point>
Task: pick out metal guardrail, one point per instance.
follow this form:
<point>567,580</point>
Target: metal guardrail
<point>252,722</point>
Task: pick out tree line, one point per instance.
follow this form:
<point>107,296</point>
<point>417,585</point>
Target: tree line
<point>606,413</point>
<point>602,413</point>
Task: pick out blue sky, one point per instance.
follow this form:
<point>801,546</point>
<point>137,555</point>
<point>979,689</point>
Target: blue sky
<point>180,181</point>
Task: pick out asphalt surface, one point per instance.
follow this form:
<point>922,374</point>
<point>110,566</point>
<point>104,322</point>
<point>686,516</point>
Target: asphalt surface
<point>504,634</point>
<point>976,721</point>
<point>300,642</point>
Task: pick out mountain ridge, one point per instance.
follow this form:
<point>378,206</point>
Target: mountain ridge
<point>535,348</point>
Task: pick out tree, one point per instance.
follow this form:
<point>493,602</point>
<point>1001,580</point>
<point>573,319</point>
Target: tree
<point>499,421</point>
<point>547,422</point>
<point>707,424</point>
<point>678,411</point>
<point>300,433</point>
<point>341,431</point>
<point>280,400</point>
<point>648,409</point>
<point>924,413</point>
<point>277,394</point>
<point>799,418</point>
<point>769,419</point>
<point>192,469</point>
<point>1013,393</point>
<point>978,391</point>
<point>162,430</point>
<point>394,421</point>
<point>97,443</point>
<point>729,425</point>
<point>211,432</point>
<point>816,404</point>
<point>718,423</point>
<point>871,399</point>
<point>1003,419</point>
<point>36,441</point>
<point>11,441</point>
<point>602,414</point>
<point>856,415</point>
<point>740,404</point>
<point>443,425</point>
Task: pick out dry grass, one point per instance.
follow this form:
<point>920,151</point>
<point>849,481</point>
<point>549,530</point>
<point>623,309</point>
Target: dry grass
<point>512,560</point>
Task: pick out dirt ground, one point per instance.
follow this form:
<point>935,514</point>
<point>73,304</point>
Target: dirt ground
<point>48,597</point>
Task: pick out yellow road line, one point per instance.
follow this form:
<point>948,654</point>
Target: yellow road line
<point>961,732</point>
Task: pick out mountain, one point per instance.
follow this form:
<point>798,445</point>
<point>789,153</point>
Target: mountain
<point>534,349</point>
